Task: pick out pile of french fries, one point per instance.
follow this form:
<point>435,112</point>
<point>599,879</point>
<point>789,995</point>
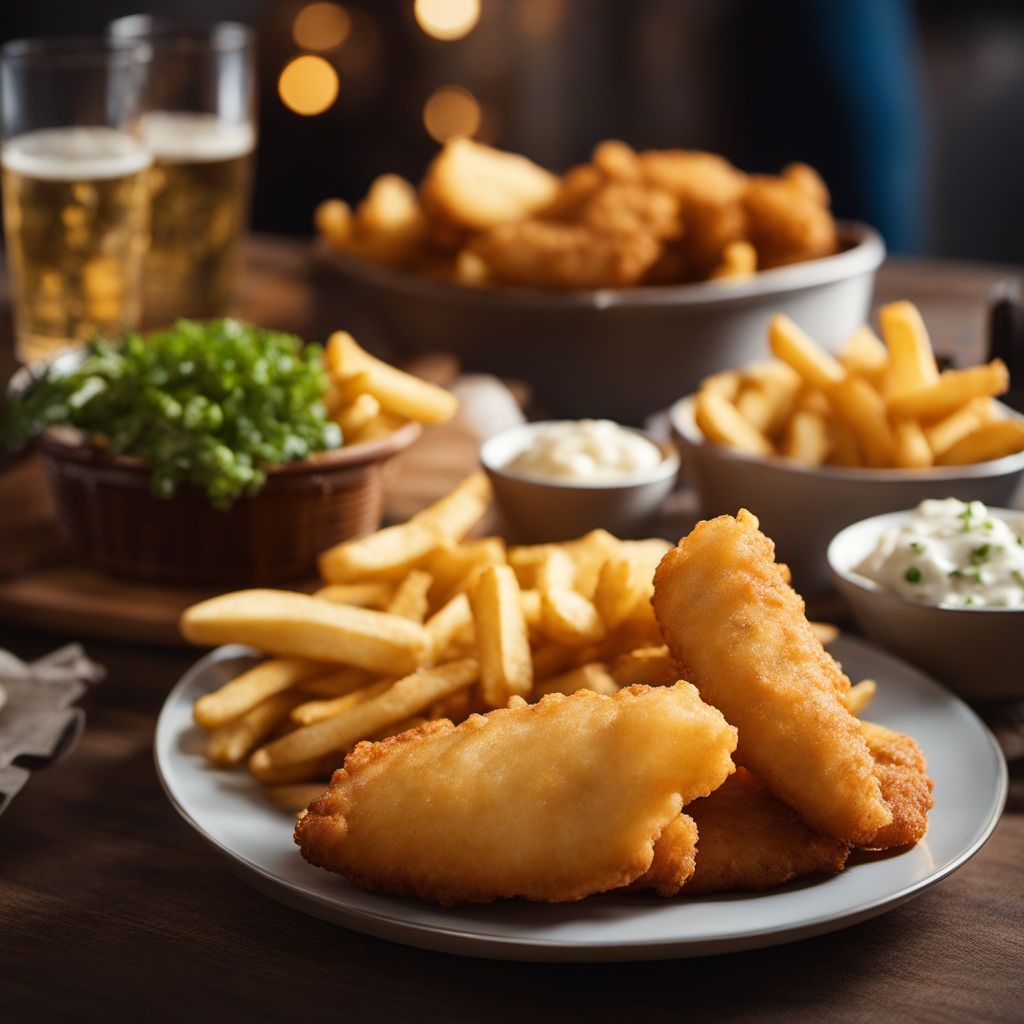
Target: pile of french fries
<point>369,398</point>
<point>881,404</point>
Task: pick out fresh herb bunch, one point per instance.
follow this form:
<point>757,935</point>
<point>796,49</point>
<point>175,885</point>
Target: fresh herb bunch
<point>212,403</point>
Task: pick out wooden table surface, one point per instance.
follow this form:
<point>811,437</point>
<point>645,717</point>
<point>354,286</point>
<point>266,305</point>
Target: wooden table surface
<point>112,905</point>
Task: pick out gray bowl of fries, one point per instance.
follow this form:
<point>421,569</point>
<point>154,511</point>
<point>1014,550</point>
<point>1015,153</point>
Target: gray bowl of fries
<point>612,289</point>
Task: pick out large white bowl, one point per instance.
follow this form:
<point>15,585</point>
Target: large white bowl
<point>976,651</point>
<point>538,510</point>
<point>618,353</point>
<point>802,508</point>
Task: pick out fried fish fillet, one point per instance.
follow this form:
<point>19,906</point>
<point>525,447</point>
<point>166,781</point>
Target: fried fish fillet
<point>551,801</point>
<point>675,858</point>
<point>738,631</point>
<point>749,840</point>
<point>906,787</point>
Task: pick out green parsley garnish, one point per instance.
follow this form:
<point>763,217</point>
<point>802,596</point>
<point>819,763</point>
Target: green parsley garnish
<point>955,574</point>
<point>913,575</point>
<point>1018,576</point>
<point>213,404</point>
<point>980,554</point>
<point>917,547</point>
<point>969,599</point>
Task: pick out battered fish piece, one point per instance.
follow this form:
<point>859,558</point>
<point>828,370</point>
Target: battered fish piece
<point>749,840</point>
<point>675,858</point>
<point>551,801</point>
<point>738,631</point>
<point>906,787</point>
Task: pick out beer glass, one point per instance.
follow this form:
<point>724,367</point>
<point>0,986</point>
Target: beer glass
<point>200,128</point>
<point>75,189</point>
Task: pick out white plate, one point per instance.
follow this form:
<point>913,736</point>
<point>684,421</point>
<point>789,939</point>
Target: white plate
<point>226,808</point>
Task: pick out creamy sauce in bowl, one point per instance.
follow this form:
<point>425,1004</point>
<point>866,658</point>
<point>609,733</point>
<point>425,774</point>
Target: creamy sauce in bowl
<point>586,451</point>
<point>951,554</point>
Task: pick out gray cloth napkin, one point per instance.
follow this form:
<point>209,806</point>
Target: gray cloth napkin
<point>38,722</point>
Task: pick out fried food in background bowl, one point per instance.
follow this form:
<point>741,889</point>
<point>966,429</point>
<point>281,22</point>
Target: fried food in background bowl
<point>674,256</point>
<point>816,443</point>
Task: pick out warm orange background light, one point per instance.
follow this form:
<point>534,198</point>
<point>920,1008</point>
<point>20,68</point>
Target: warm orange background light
<point>447,19</point>
<point>308,85</point>
<point>451,111</point>
<point>321,26</point>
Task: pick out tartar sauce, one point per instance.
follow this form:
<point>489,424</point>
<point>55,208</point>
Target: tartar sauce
<point>586,450</point>
<point>952,555</point>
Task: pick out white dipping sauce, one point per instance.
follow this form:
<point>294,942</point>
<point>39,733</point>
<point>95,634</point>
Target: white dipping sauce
<point>596,451</point>
<point>952,554</point>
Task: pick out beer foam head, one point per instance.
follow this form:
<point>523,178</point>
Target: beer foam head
<point>179,137</point>
<point>75,154</point>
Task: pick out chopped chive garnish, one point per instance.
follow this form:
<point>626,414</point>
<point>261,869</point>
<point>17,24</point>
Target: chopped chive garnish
<point>917,547</point>
<point>980,554</point>
<point>913,575</point>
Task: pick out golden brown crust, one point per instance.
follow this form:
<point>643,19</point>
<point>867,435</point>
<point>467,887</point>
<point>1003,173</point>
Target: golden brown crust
<point>675,857</point>
<point>903,775</point>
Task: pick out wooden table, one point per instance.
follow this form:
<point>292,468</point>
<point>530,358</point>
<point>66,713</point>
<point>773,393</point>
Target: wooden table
<point>111,905</point>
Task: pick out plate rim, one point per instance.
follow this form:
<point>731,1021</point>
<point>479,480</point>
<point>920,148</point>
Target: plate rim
<point>449,939</point>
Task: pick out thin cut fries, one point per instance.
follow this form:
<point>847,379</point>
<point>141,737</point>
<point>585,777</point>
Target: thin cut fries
<point>503,644</point>
<point>410,597</point>
<point>317,710</point>
<point>883,406</point>
<point>232,742</point>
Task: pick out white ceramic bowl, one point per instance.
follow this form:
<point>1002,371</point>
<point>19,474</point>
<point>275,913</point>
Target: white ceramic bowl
<point>622,353</point>
<point>976,651</point>
<point>538,510</point>
<point>802,508</point>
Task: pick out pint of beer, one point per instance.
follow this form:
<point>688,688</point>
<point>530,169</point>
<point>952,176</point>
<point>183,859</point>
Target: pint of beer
<point>76,211</point>
<point>201,131</point>
<point>76,179</point>
<point>200,184</point>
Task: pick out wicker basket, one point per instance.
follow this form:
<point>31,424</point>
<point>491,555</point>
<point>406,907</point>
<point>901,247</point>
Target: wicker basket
<point>109,515</point>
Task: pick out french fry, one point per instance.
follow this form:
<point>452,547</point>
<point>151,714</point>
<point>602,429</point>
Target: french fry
<point>530,602</point>
<point>375,594</point>
<point>449,624</point>
<point>620,588</point>
<point>739,260</point>
<point>406,697</point>
<point>725,384</point>
<point>957,425</point>
<point>720,421</point>
<point>826,632</point>
<point>230,743</point>
<point>864,354</point>
<point>456,706</point>
<point>813,400</point>
<point>291,773</point>
<point>569,618</point>
<point>338,683</point>
<point>294,796</point>
<point>296,625</point>
<point>503,645</point>
<point>318,710</point>
<point>388,552</point>
<point>357,414</point>
<point>555,569</point>
<point>863,410</point>
<point>589,553</point>
<point>990,441</point>
<point>410,597</point>
<point>790,344</point>
<point>251,688</point>
<point>860,696</point>
<point>454,566</point>
<point>806,438</point>
<point>397,391</point>
<point>382,425</point>
<point>912,448</point>
<point>845,446</point>
<point>911,360</point>
<point>455,515</point>
<point>768,396</point>
<point>953,389</point>
<point>550,659</point>
<point>593,676</point>
<point>652,666</point>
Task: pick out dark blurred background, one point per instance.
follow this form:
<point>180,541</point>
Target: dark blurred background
<point>913,111</point>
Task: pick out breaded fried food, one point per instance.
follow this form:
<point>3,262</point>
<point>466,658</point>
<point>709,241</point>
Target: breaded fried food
<point>749,840</point>
<point>675,858</point>
<point>549,254</point>
<point>738,631</point>
<point>906,787</point>
<point>551,801</point>
<point>787,219</point>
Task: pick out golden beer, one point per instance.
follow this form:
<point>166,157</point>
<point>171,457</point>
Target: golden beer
<point>76,216</point>
<point>200,197</point>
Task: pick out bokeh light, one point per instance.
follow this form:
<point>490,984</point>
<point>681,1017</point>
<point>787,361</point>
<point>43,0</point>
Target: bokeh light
<point>450,111</point>
<point>308,85</point>
<point>321,26</point>
<point>447,19</point>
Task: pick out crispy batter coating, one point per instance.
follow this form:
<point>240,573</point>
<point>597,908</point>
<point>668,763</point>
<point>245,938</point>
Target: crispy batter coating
<point>675,857</point>
<point>628,208</point>
<point>739,632</point>
<point>903,775</point>
<point>551,801</point>
<point>787,223</point>
<point>546,254</point>
<point>749,840</point>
